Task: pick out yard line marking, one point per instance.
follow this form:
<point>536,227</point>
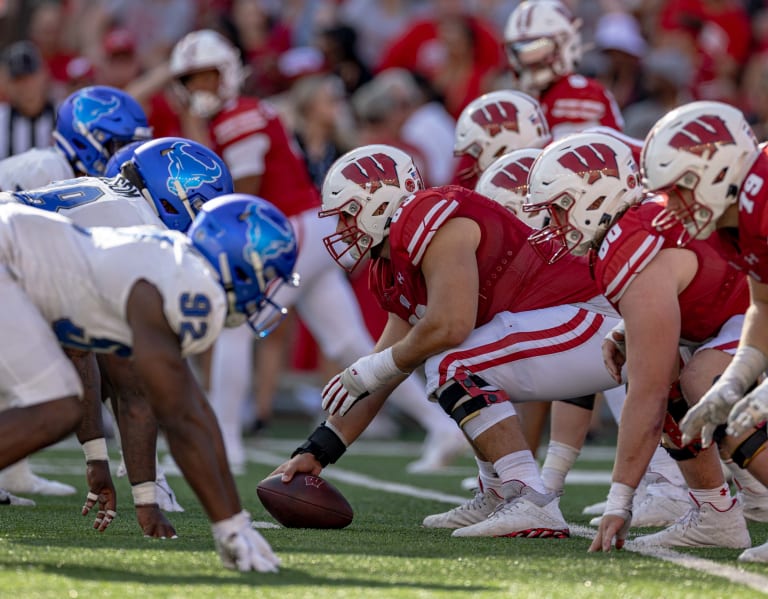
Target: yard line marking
<point>754,581</point>
<point>733,574</point>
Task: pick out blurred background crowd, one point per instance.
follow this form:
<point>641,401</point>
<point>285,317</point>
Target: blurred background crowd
<point>348,72</point>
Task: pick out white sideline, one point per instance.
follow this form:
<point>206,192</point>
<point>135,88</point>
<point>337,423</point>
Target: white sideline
<point>734,574</point>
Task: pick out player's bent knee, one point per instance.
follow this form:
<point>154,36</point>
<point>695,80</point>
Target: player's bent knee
<point>466,398</point>
<point>748,446</point>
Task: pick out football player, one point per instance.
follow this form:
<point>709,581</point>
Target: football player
<point>250,137</point>
<point>705,157</point>
<point>90,124</point>
<point>156,296</point>
<point>667,296</point>
<point>470,301</point>
<point>543,44</point>
<point>163,184</point>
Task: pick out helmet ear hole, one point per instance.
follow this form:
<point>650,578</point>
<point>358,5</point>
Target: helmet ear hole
<point>168,207</point>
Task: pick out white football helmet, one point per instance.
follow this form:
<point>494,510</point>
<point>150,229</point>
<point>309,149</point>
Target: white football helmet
<point>202,50</point>
<point>499,122</point>
<point>363,188</point>
<point>506,182</point>
<point>585,181</point>
<point>542,42</point>
<point>705,147</point>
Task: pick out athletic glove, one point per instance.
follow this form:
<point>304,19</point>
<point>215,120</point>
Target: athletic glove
<point>240,547</point>
<point>713,409</point>
<point>367,375</point>
<point>749,412</point>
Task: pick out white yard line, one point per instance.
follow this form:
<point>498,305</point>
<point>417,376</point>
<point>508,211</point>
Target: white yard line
<point>733,574</point>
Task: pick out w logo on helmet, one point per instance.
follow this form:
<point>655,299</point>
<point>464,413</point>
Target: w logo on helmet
<point>495,117</point>
<point>372,172</point>
<point>187,171</point>
<point>594,161</point>
<point>514,175</point>
<point>86,109</point>
<point>702,136</point>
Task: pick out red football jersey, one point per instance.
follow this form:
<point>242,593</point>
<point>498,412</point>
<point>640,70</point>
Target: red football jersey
<point>284,178</point>
<point>748,247</point>
<point>717,292</point>
<point>512,276</point>
<point>575,102</point>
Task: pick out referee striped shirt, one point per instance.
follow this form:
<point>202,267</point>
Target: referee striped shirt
<point>19,133</point>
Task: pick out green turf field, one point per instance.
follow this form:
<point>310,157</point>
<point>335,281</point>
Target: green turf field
<point>50,550</point>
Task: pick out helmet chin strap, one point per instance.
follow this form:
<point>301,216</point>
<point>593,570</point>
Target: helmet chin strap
<point>184,199</point>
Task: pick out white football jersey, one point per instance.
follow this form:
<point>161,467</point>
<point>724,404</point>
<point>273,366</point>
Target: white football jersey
<point>80,279</point>
<point>91,202</point>
<point>34,168</point>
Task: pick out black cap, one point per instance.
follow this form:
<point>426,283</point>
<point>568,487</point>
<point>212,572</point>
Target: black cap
<point>22,58</point>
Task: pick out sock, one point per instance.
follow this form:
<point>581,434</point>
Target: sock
<point>663,465</point>
<point>745,481</point>
<point>719,497</point>
<point>520,466</point>
<point>487,475</point>
<point>558,462</point>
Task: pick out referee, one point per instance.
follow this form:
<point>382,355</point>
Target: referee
<point>27,116</point>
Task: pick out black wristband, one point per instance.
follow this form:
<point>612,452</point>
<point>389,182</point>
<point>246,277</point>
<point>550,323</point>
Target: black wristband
<point>324,444</point>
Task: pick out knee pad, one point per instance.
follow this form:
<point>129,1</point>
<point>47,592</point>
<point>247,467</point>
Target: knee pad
<point>585,401</point>
<point>463,396</point>
<point>750,447</point>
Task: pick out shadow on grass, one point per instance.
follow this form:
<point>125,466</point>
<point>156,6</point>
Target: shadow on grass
<point>285,578</point>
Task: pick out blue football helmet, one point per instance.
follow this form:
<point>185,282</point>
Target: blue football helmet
<point>94,122</point>
<point>122,155</point>
<point>177,176</point>
<point>252,247</point>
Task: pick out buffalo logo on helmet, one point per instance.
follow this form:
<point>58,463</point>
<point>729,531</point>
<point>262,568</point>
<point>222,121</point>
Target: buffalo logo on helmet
<point>594,161</point>
<point>255,216</point>
<point>87,108</point>
<point>702,136</point>
<point>495,117</point>
<point>514,176</point>
<point>187,171</point>
<point>372,172</point>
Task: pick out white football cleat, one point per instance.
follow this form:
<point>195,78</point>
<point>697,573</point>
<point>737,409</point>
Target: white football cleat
<point>703,526</point>
<point>755,504</point>
<point>662,504</point>
<point>530,515</point>
<point>594,509</point>
<point>7,498</point>
<point>166,498</point>
<point>29,483</point>
<point>471,511</point>
<point>757,554</point>
<point>440,450</point>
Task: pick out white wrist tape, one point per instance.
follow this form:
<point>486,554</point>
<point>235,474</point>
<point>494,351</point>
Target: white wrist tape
<point>745,368</point>
<point>619,502</point>
<point>383,366</point>
<point>144,493</point>
<point>96,450</point>
<point>619,330</point>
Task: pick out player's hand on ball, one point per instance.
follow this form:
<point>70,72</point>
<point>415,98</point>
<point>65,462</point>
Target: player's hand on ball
<point>242,548</point>
<point>101,491</point>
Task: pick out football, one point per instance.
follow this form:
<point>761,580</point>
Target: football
<point>305,502</point>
